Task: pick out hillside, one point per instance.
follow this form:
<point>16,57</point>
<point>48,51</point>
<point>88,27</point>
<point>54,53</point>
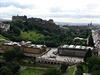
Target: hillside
<point>37,31</point>
<point>44,32</point>
<point>2,37</point>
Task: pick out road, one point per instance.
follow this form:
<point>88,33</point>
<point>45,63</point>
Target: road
<point>96,39</point>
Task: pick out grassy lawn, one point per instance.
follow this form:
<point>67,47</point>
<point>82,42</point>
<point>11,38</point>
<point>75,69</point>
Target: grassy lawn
<point>1,57</point>
<point>1,43</point>
<point>2,37</point>
<point>31,72</point>
<point>71,70</point>
<point>31,35</point>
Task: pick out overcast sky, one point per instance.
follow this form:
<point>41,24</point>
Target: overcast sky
<point>82,11</point>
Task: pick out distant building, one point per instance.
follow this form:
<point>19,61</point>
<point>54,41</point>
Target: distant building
<point>4,27</point>
<point>90,24</point>
<point>51,21</point>
<point>72,50</point>
<point>22,18</point>
<point>84,27</point>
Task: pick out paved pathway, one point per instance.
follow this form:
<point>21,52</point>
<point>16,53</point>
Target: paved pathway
<point>75,70</point>
<point>25,67</point>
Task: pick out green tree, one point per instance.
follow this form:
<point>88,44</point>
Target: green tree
<point>16,31</point>
<point>63,67</point>
<point>20,55</point>
<point>14,66</point>
<point>88,54</point>
<point>34,60</point>
<point>79,72</point>
<point>91,43</point>
<point>0,31</point>
<point>19,24</point>
<point>9,55</point>
<point>5,71</point>
<point>52,71</point>
<point>93,62</point>
<point>96,72</point>
<point>80,66</point>
<point>79,69</point>
<point>96,67</point>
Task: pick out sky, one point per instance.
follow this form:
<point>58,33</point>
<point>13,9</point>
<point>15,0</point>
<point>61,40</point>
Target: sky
<point>76,11</point>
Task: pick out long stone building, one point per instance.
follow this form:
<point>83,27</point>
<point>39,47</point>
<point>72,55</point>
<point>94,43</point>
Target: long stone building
<point>26,48</point>
<point>72,50</point>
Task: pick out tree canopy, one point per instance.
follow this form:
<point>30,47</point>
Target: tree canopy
<point>5,71</point>
<point>52,71</point>
<point>53,35</point>
<point>14,66</point>
<point>10,55</point>
<point>91,43</point>
<point>63,67</point>
<point>94,63</point>
<point>88,54</point>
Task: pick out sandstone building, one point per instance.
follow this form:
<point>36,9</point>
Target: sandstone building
<point>26,48</point>
<point>72,50</point>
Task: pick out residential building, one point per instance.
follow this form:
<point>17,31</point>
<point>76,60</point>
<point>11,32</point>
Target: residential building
<point>4,27</point>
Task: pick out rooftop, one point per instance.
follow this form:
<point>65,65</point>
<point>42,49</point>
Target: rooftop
<point>26,44</point>
<point>76,47</point>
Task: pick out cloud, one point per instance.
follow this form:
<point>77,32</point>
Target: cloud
<point>78,16</point>
<point>8,3</point>
<point>8,12</point>
<point>55,9</point>
<point>92,6</point>
<point>59,10</point>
